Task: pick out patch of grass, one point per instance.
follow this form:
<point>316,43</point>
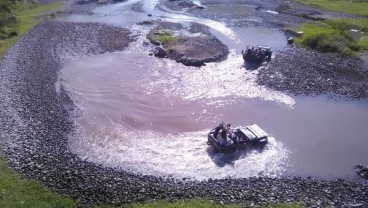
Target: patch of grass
<point>25,19</point>
<point>363,43</point>
<point>357,7</point>
<point>334,36</point>
<point>17,192</point>
<point>165,37</point>
<point>285,205</point>
<point>343,24</point>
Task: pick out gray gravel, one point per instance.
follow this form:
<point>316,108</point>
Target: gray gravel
<point>35,124</point>
<point>305,72</point>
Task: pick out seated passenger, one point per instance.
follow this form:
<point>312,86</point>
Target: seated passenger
<point>223,139</point>
<point>230,133</point>
<point>218,128</point>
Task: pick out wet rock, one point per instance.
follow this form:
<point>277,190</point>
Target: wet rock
<point>186,4</point>
<point>362,171</point>
<point>184,49</point>
<point>147,22</point>
<point>290,40</point>
<point>156,42</point>
<point>180,5</point>
<point>159,52</point>
<point>191,62</point>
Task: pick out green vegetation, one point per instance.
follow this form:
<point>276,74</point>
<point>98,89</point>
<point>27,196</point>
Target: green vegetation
<point>18,17</point>
<point>357,7</point>
<point>17,192</point>
<point>165,37</point>
<point>284,205</point>
<point>335,36</point>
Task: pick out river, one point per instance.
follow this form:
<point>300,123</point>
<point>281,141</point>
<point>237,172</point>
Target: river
<point>151,116</point>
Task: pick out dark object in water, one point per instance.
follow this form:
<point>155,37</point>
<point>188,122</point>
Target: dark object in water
<point>159,52</point>
<point>257,54</point>
<point>362,170</point>
<point>243,137</point>
<point>290,40</point>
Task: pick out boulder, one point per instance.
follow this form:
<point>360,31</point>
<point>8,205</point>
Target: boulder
<point>191,62</point>
<point>189,50</point>
<point>362,171</point>
<point>159,52</point>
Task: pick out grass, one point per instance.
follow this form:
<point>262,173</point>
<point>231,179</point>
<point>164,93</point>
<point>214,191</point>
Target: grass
<point>26,18</point>
<point>343,24</point>
<point>363,43</point>
<point>334,36</point>
<point>285,205</point>
<point>165,37</point>
<point>357,7</point>
<point>17,192</point>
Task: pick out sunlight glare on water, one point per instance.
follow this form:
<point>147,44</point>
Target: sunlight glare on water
<point>225,79</point>
<point>152,116</point>
<point>183,155</point>
<point>143,115</point>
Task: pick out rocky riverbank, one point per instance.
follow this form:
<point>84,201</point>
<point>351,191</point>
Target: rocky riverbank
<point>301,71</point>
<point>35,127</point>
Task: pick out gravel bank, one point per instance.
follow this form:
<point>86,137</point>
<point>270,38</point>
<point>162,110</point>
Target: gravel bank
<point>35,124</point>
<point>300,71</point>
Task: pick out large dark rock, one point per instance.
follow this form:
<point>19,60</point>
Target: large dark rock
<point>159,52</point>
<point>189,50</point>
<point>362,171</point>
<point>191,62</point>
<point>186,50</point>
<point>179,5</point>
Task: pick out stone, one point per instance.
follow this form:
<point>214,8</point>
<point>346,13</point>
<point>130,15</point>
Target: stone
<point>159,52</point>
<point>362,171</point>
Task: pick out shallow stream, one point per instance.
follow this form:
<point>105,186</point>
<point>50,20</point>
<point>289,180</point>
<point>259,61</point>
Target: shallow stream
<point>152,116</point>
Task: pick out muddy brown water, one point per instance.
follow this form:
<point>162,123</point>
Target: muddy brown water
<point>148,116</point>
<point>151,116</point>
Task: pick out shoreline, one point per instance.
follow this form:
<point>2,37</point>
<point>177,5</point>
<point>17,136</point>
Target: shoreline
<point>35,121</point>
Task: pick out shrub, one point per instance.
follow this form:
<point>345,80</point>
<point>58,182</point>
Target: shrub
<point>319,38</point>
<point>334,36</point>
<point>348,52</point>
<point>363,43</point>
